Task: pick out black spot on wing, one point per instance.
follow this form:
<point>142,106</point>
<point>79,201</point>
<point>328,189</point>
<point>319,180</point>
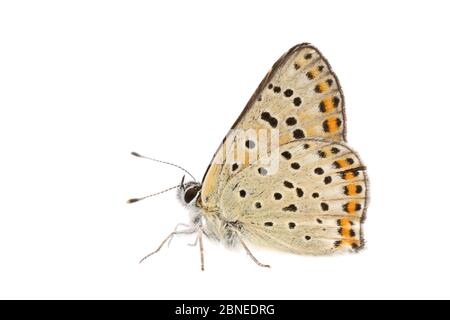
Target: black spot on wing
<point>262,171</point>
<point>298,134</point>
<point>318,171</point>
<point>322,154</point>
<point>295,165</point>
<point>291,121</point>
<point>250,144</point>
<point>277,196</point>
<point>287,155</point>
<point>288,92</point>
<point>288,184</point>
<point>265,116</point>
<point>291,208</point>
<point>334,150</point>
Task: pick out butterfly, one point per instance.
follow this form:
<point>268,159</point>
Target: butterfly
<point>284,177</point>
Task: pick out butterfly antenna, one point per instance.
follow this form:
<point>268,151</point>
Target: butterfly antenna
<point>170,164</point>
<point>133,200</point>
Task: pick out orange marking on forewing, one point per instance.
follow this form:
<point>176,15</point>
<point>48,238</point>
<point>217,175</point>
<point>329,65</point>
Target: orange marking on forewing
<point>323,86</point>
<point>342,163</point>
<point>314,72</point>
<point>332,125</point>
<point>328,103</point>
<point>298,64</point>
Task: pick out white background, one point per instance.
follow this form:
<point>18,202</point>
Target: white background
<point>83,83</point>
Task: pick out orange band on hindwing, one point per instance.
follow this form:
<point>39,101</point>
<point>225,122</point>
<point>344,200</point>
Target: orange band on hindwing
<point>347,233</point>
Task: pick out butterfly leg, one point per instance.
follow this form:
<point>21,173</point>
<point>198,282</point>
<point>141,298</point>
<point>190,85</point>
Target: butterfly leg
<point>170,236</point>
<point>175,230</point>
<point>200,241</point>
<point>194,243</point>
<point>251,254</point>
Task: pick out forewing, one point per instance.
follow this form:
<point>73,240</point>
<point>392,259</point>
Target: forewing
<point>300,97</point>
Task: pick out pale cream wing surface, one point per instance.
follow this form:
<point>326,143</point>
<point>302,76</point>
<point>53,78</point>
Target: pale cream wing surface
<point>300,97</point>
<point>313,204</point>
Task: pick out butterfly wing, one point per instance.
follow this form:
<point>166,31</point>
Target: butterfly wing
<point>313,203</point>
<point>300,97</point>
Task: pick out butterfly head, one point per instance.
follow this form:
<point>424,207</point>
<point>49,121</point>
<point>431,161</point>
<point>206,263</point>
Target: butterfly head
<point>189,191</point>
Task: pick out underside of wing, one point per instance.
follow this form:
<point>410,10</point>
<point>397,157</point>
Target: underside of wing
<point>300,92</point>
<point>313,203</point>
<point>299,98</point>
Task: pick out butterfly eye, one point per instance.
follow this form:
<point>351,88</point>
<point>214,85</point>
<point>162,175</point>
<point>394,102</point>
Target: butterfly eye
<point>191,193</point>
